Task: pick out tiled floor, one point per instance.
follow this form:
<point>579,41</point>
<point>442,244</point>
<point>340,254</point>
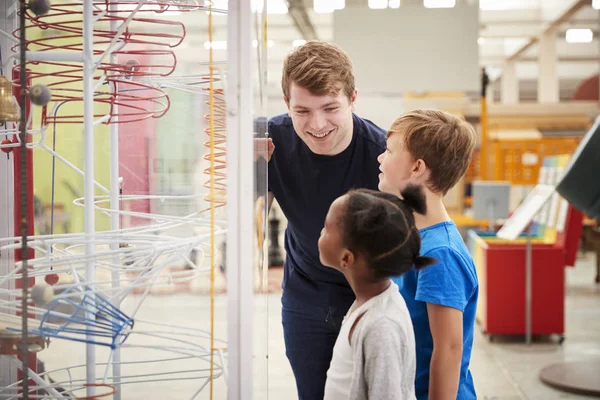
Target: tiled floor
<point>502,370</point>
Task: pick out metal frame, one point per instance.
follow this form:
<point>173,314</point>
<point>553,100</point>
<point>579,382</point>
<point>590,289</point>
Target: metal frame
<point>240,200</point>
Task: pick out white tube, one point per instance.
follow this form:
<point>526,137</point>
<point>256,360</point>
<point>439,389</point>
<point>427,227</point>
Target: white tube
<point>70,165</point>
<point>240,199</point>
<point>115,188</point>
<point>54,56</point>
<point>36,378</point>
<point>88,178</point>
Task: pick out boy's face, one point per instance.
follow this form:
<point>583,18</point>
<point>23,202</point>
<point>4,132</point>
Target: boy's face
<point>324,123</point>
<point>397,166</point>
<point>331,250</point>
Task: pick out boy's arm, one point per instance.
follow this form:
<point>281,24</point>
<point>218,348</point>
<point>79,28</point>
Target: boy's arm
<point>446,329</point>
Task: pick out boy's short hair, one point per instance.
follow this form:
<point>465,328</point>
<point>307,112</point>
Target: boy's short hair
<point>444,141</point>
<point>321,68</point>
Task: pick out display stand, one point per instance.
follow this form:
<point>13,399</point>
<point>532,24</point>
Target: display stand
<point>514,227</point>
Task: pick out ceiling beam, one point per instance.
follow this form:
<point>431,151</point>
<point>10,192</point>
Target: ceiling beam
<point>299,15</point>
<point>564,17</point>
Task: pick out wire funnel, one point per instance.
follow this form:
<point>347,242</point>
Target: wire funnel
<point>85,316</point>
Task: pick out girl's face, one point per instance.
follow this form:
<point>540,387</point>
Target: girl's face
<point>331,250</point>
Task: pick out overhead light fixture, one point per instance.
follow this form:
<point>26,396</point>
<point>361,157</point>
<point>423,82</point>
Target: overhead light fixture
<point>9,109</point>
<point>502,4</point>
<point>596,4</point>
<point>439,3</point>
<point>338,4</point>
<point>378,4</point>
<point>216,45</point>
<point>579,36</point>
<point>298,42</point>
<point>323,6</point>
<point>394,4</point>
<point>270,43</point>
<point>276,7</point>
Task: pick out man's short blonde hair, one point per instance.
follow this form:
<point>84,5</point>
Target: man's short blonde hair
<point>321,68</point>
<point>444,141</point>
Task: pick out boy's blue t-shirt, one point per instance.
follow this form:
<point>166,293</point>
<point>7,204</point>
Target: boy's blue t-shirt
<point>304,185</point>
<point>452,282</point>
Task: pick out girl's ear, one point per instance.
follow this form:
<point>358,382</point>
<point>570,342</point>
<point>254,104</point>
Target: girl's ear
<point>347,259</point>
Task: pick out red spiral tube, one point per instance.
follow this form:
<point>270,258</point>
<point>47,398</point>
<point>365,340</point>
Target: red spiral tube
<point>126,84</point>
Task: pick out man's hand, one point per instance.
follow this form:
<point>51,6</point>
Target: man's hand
<point>263,148</point>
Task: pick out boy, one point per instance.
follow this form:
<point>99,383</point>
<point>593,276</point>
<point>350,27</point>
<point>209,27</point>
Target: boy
<point>433,148</point>
<point>318,152</point>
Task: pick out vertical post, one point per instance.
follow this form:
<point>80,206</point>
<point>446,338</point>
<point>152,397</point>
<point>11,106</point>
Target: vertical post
<point>492,218</point>
<point>23,200</point>
<point>510,84</point>
<point>483,145</point>
<point>115,191</point>
<point>548,91</point>
<point>88,181</point>
<point>240,199</point>
<point>19,201</point>
<point>8,202</point>
<point>528,283</point>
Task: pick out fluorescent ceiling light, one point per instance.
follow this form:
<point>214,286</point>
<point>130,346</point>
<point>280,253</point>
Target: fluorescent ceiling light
<point>270,43</point>
<point>298,42</point>
<point>596,4</point>
<point>323,6</point>
<point>338,4</point>
<point>273,6</point>
<point>579,36</point>
<point>216,45</point>
<point>394,3</point>
<point>506,4</point>
<point>276,7</point>
<point>439,3</point>
<point>378,4</point>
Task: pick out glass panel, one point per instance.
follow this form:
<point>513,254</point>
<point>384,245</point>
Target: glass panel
<point>153,311</point>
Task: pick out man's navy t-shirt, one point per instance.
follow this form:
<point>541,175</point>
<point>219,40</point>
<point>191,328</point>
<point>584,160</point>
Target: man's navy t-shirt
<point>305,184</point>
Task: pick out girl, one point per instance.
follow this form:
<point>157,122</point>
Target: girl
<point>370,236</point>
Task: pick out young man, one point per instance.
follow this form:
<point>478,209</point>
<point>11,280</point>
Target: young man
<point>320,150</point>
<point>433,148</point>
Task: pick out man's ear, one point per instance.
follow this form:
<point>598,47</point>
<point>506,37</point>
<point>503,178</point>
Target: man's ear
<point>347,259</point>
<point>353,100</point>
<point>287,103</point>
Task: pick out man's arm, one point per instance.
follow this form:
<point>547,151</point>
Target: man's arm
<point>263,148</point>
<point>269,202</point>
<point>446,328</point>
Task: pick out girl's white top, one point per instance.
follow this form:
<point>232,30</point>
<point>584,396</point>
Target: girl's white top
<point>378,362</point>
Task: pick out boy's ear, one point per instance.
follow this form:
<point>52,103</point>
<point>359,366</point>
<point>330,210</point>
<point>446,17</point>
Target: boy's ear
<point>347,259</point>
<point>419,168</point>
